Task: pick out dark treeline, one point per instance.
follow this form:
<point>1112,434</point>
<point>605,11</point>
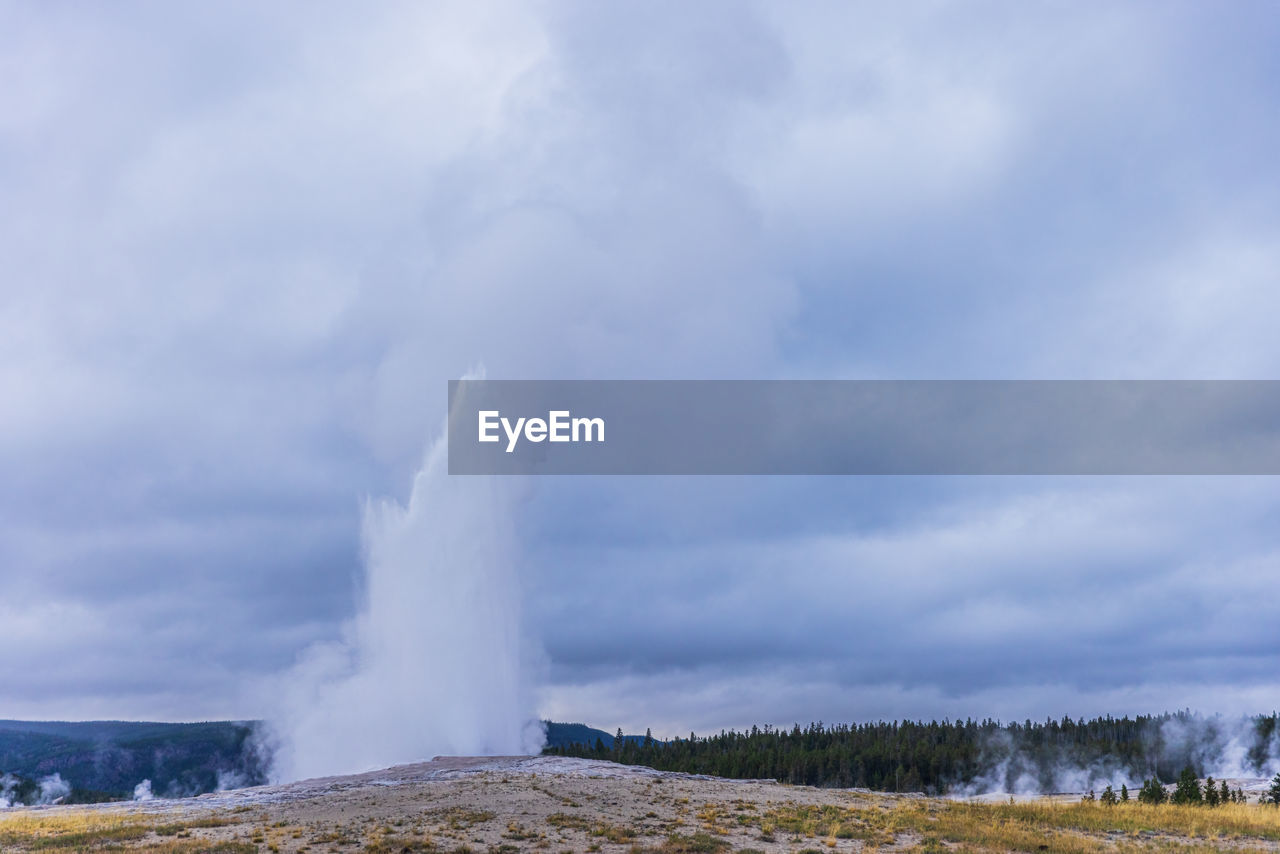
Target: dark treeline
<point>105,760</point>
<point>937,757</point>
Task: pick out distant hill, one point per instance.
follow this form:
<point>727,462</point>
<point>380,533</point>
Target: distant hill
<point>106,759</point>
<point>564,735</point>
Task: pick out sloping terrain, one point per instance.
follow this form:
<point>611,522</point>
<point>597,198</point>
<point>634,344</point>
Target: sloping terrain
<point>507,805</point>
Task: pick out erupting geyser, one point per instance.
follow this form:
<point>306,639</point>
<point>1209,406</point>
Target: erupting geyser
<point>435,660</point>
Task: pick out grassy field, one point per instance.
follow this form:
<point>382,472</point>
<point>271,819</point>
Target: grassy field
<point>73,829</point>
<point>934,825</point>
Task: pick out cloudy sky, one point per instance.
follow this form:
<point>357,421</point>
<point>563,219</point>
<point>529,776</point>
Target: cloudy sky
<point>245,245</point>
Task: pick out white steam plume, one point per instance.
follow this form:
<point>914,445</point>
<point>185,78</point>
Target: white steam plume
<point>8,783</point>
<point>50,790</point>
<point>435,661</point>
<point>1244,749</point>
<point>53,789</point>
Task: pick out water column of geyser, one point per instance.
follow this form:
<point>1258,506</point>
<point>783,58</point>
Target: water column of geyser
<point>434,662</point>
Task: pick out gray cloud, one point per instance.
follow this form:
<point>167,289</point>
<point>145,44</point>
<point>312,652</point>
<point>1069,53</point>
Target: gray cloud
<point>251,244</point>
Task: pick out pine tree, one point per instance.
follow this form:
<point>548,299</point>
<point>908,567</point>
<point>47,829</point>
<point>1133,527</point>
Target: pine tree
<point>1151,792</point>
<point>1109,796</point>
<point>1210,793</point>
<point>1188,789</point>
<point>1224,793</point>
<point>1273,794</point>
<point>1124,792</point>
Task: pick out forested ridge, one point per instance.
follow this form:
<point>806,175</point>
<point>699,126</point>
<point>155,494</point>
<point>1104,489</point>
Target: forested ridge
<point>941,756</point>
<point>105,760</point>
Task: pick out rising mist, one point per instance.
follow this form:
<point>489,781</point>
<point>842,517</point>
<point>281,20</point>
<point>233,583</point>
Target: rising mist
<point>435,661</point>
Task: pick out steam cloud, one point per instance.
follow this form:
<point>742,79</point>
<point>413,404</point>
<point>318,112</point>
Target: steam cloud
<point>53,789</point>
<point>8,786</point>
<point>1245,748</point>
<point>232,779</point>
<point>50,790</point>
<point>435,661</point>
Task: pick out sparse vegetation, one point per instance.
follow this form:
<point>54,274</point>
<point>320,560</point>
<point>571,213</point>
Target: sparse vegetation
<point>461,818</point>
<point>179,828</point>
<point>635,816</point>
<point>399,845</point>
<point>564,820</point>
<point>698,843</point>
<point>75,830</point>
<point>1273,794</point>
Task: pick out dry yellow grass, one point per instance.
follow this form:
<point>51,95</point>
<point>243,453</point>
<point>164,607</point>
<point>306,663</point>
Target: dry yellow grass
<point>933,825</point>
<point>1071,828</point>
<point>95,830</point>
<point>52,828</point>
<point>1232,821</point>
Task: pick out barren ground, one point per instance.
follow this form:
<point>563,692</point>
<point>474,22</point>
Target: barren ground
<point>505,805</point>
